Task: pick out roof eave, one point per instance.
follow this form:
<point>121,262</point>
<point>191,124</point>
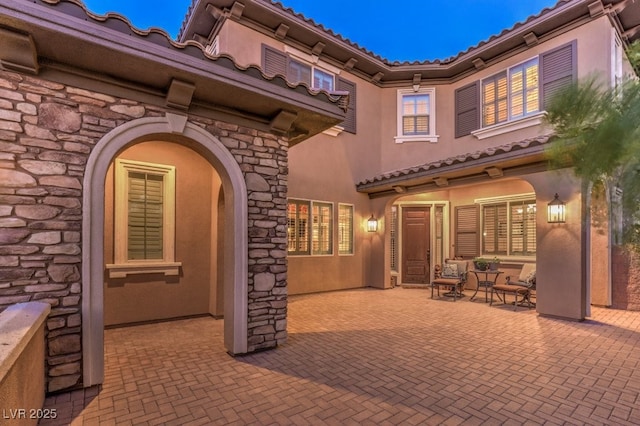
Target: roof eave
<point>64,42</point>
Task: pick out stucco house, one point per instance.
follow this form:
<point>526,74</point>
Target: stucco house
<point>144,179</point>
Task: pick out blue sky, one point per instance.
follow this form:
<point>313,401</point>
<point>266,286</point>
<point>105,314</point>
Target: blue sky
<point>405,30</point>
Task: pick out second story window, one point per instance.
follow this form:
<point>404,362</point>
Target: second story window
<point>298,68</point>
<point>510,94</point>
<point>299,72</point>
<point>416,116</point>
<point>515,98</point>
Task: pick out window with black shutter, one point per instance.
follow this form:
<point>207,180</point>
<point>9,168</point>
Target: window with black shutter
<point>349,122</point>
<point>557,70</point>
<point>467,106</point>
<point>467,230</point>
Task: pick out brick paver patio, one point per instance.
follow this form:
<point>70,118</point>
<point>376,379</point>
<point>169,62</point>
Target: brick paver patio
<point>373,357</point>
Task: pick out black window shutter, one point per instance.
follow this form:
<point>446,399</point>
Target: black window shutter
<point>467,107</point>
<point>557,70</point>
<point>274,62</point>
<point>467,231</point>
<point>349,122</point>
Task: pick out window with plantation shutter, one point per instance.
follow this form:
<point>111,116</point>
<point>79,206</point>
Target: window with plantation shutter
<point>416,115</point>
<point>467,229</point>
<point>518,94</point>
<point>144,219</point>
<point>508,225</point>
<point>558,70</point>
<point>511,94</point>
<point>145,216</point>
<point>345,229</point>
<point>467,102</point>
<point>494,99</point>
<point>298,218</point>
<point>494,229</point>
<point>322,228</point>
<point>522,228</point>
<point>349,122</point>
<point>309,227</point>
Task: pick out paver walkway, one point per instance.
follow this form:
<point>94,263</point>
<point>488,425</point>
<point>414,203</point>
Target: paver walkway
<point>373,357</point>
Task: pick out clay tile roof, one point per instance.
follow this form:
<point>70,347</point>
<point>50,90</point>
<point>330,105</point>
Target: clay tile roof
<point>158,36</point>
<point>458,159</point>
<point>400,63</point>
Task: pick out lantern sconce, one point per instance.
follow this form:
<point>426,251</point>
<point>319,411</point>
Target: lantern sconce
<point>372,224</point>
<point>556,210</point>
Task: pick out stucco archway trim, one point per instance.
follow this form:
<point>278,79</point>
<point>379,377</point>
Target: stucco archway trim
<point>172,127</point>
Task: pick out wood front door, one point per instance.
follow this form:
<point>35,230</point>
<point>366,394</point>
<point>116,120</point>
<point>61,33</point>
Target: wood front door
<point>416,242</point>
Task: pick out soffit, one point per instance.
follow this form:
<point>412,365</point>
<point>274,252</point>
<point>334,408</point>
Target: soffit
<point>268,16</point>
<point>69,40</point>
<point>509,160</point>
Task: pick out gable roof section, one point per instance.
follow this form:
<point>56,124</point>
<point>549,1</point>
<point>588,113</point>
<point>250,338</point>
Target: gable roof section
<point>61,40</point>
<point>205,17</point>
<point>513,159</point>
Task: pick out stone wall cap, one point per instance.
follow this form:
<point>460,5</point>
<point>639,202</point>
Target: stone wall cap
<point>18,324</point>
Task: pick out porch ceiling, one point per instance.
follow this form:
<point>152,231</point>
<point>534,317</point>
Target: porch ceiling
<point>509,160</point>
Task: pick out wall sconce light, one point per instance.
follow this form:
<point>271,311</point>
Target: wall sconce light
<point>556,210</point>
<point>372,224</point>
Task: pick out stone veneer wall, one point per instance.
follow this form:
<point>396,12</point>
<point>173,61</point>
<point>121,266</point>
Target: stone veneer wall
<point>47,131</point>
<point>625,282</point>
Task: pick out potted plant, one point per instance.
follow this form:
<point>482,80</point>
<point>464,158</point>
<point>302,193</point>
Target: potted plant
<point>494,264</point>
<point>480,263</point>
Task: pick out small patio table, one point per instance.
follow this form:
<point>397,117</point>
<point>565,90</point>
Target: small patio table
<point>490,279</point>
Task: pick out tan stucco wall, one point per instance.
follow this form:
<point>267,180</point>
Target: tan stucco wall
<point>22,360</point>
<point>150,297</point>
<point>593,49</point>
<point>341,162</point>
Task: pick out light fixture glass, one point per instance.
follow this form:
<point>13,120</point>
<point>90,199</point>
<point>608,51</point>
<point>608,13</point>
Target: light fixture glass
<point>556,211</point>
<point>372,224</point>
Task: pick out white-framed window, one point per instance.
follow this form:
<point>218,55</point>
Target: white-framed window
<point>309,227</point>
<point>508,226</point>
<point>511,94</point>
<point>144,219</point>
<point>312,76</point>
<point>298,218</point>
<point>322,228</point>
<point>416,115</point>
<point>345,229</point>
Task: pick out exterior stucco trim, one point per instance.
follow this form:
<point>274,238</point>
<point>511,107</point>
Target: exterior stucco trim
<point>236,234</point>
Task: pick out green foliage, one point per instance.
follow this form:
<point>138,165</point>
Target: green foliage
<point>597,132</point>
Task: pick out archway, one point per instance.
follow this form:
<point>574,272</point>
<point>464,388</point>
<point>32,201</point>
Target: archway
<point>170,128</point>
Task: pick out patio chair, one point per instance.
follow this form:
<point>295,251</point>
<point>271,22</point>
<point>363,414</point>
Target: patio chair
<point>453,276</point>
<point>522,286</point>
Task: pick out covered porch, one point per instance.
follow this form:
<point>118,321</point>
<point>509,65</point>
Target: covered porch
<point>470,203</point>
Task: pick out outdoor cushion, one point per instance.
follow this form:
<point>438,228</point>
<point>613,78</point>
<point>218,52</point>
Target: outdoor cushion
<point>450,271</point>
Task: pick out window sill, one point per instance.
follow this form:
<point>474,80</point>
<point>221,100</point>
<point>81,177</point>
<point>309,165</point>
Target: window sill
<point>420,138</point>
<point>122,270</point>
<point>509,126</point>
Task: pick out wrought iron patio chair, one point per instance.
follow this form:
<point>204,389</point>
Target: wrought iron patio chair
<point>452,276</point>
<point>523,286</point>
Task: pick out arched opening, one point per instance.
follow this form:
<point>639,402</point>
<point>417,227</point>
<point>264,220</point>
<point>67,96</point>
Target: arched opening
<point>176,129</point>
<point>145,211</point>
